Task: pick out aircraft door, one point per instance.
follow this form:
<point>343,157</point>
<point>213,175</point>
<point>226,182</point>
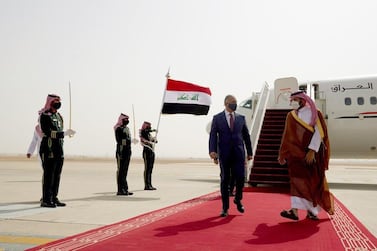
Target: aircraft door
<point>319,98</point>
<point>283,87</point>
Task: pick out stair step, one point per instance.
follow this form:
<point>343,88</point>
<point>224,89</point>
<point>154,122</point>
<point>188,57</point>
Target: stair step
<point>266,169</point>
<point>275,117</point>
<point>272,126</point>
<point>269,177</point>
<point>277,182</point>
<point>272,166</point>
<point>274,141</point>
<point>271,133</point>
<point>266,151</point>
<point>271,158</point>
<point>269,121</point>
<point>266,163</point>
<point>272,130</point>
<point>269,146</point>
<point>261,181</point>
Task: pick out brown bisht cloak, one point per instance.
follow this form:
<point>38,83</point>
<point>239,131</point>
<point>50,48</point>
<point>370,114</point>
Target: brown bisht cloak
<point>307,181</point>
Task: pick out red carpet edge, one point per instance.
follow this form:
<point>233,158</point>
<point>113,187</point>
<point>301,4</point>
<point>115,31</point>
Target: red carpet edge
<point>351,233</point>
<point>97,235</point>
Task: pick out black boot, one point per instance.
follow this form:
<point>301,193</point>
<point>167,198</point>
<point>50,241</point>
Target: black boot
<point>124,192</point>
<point>149,188</point>
<point>58,203</point>
<point>48,204</point>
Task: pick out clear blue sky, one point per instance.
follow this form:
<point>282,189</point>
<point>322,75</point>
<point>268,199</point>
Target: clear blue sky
<point>116,54</point>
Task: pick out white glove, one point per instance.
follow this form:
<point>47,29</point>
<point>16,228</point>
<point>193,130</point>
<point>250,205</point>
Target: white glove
<point>69,133</point>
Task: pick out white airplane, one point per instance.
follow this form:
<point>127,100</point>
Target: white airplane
<point>348,104</point>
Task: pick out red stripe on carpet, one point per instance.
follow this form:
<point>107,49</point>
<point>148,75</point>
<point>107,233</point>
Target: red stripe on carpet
<point>196,225</point>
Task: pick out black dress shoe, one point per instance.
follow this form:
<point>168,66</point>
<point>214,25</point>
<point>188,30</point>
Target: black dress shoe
<point>289,214</point>
<point>224,213</point>
<point>58,203</point>
<point>126,193</point>
<point>150,188</point>
<point>311,216</point>
<point>240,207</point>
<point>48,204</point>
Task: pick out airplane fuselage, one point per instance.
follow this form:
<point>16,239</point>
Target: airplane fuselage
<point>350,109</point>
<point>349,106</point>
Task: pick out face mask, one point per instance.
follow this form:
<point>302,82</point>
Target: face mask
<point>232,107</point>
<point>56,105</point>
<point>295,105</point>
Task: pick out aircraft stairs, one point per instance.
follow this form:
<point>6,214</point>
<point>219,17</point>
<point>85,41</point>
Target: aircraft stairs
<point>266,169</point>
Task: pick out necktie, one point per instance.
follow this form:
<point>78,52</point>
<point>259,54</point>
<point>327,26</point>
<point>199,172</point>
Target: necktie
<point>231,121</point>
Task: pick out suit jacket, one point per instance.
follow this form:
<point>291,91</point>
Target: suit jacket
<point>225,142</point>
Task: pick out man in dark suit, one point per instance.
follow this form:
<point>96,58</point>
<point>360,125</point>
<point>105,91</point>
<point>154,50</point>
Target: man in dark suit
<point>228,139</point>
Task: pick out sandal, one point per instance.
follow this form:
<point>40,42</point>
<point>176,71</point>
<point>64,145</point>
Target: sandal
<point>289,214</point>
<point>311,216</point>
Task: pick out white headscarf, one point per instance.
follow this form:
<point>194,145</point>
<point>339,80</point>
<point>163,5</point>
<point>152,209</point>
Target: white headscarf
<point>313,107</point>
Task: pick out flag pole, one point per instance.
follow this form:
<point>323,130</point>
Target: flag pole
<point>162,103</point>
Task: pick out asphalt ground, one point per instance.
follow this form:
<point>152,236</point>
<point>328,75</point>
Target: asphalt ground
<point>88,186</point>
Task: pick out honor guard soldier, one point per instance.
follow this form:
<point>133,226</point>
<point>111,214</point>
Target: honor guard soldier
<point>123,153</point>
<point>147,141</point>
<point>51,150</point>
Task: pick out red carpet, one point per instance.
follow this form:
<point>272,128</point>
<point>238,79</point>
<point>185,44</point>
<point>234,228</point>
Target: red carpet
<point>196,225</point>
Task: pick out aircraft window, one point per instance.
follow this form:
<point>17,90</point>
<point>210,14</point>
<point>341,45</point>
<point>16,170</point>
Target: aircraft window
<point>373,100</point>
<point>246,104</point>
<point>360,100</point>
<point>347,101</point>
<point>303,88</point>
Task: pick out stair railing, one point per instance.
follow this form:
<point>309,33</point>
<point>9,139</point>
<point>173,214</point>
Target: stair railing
<point>258,116</point>
<point>257,122</point>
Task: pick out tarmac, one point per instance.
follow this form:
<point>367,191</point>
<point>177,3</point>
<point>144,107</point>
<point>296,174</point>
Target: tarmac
<point>88,186</point>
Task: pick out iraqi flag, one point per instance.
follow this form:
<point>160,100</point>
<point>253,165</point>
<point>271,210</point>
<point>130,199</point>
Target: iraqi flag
<point>186,98</point>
